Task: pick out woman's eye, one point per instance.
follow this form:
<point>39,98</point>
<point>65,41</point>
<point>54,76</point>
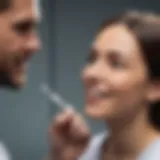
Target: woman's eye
<point>116,64</point>
<point>115,60</point>
<point>91,57</point>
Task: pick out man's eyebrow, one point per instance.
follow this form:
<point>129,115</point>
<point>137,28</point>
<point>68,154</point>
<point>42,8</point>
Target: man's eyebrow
<point>28,20</point>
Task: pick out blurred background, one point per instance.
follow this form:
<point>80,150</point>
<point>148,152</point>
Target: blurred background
<point>67,29</point>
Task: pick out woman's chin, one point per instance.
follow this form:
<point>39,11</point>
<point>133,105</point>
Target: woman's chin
<point>95,113</point>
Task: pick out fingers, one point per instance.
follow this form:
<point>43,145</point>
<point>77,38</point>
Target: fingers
<point>69,134</point>
<point>62,122</point>
<point>69,125</point>
<point>79,129</point>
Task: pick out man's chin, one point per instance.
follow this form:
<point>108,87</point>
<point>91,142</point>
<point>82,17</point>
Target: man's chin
<point>18,83</point>
<point>12,85</point>
<point>12,82</point>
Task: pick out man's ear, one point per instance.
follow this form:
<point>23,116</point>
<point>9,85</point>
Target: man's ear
<point>154,91</point>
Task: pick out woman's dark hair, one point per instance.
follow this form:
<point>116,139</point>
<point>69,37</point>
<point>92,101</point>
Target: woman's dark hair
<point>146,28</point>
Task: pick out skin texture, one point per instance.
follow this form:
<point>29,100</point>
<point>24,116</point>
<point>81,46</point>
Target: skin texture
<point>117,90</point>
<point>18,41</point>
<point>116,68</point>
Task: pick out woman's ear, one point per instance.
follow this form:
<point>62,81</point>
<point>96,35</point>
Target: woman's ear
<point>154,91</point>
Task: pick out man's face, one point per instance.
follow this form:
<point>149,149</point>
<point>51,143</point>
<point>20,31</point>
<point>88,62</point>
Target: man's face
<point>18,41</point>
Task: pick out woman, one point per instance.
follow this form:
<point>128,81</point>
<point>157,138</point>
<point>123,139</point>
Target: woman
<point>122,87</point>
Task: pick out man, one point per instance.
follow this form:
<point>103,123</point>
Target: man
<point>18,42</point>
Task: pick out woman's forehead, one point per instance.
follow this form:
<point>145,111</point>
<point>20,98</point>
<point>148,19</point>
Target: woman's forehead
<point>116,37</point>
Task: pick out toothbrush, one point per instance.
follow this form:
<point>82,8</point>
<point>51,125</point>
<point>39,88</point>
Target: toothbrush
<point>54,97</point>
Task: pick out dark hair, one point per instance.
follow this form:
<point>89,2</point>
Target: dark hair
<point>4,5</point>
<point>146,28</point>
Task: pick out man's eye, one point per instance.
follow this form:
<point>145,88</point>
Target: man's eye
<point>23,28</point>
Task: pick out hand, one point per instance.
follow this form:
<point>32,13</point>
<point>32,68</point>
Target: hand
<point>69,135</point>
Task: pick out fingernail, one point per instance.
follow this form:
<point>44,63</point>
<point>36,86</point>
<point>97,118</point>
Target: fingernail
<point>69,110</point>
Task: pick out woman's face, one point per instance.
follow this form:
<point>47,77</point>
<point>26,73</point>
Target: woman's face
<point>115,77</point>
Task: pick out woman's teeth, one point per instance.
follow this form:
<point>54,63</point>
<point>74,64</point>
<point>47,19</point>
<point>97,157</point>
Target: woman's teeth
<point>97,94</point>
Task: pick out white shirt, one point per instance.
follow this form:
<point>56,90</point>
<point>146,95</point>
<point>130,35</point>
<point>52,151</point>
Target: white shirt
<point>4,154</point>
<point>93,151</point>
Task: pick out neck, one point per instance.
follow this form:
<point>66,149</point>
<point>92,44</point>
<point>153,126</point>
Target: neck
<point>133,137</point>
